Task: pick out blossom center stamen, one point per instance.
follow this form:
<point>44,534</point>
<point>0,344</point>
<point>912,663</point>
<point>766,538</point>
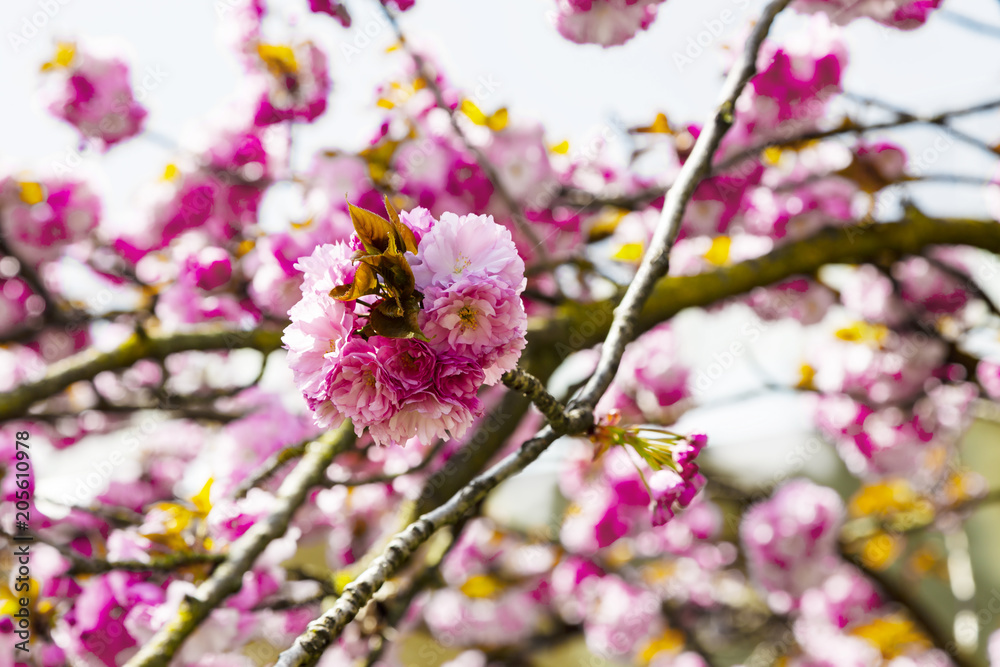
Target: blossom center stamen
<point>468,316</point>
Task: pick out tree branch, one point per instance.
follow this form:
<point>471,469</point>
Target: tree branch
<point>310,645</point>
<point>161,563</point>
<point>228,577</point>
<point>575,326</point>
<point>578,326</point>
<point>527,384</point>
<point>86,365</point>
<point>269,468</point>
<point>902,118</point>
<point>655,262</point>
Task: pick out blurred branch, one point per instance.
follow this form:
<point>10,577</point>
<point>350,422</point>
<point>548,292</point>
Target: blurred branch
<point>577,326</point>
<point>656,259</point>
<point>269,468</point>
<point>228,577</point>
<point>385,479</point>
<point>849,127</point>
<point>310,645</point>
<point>86,365</point>
<point>970,23</point>
<point>429,575</point>
<point>907,597</point>
<point>164,563</point>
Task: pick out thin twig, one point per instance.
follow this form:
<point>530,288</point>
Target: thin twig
<point>309,646</point>
<point>902,118</point>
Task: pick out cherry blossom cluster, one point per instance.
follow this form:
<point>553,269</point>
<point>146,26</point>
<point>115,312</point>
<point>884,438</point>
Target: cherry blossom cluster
<point>604,22</point>
<point>91,90</point>
<point>901,14</point>
<point>471,316</point>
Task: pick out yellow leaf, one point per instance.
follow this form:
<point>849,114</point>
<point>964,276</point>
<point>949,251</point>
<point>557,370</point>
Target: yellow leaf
<point>498,120</point>
<point>171,172</point>
<point>280,59</point>
<point>201,500</point>
<point>629,252</point>
<point>863,332</point>
<point>671,641</point>
<point>409,241</point>
<point>772,155</point>
<point>718,254</point>
<point>562,148</point>
<point>807,374</point>
<point>379,158</point>
<point>658,126</point>
<point>32,193</point>
<point>470,109</point>
<point>481,586</point>
<point>245,246</point>
<point>371,228</point>
<point>893,636</point>
<point>65,52</point>
<point>880,551</point>
<point>364,283</point>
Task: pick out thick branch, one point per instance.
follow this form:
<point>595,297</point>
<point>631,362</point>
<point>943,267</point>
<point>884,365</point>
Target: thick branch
<point>583,325</point>
<point>228,577</point>
<point>655,262</point>
<point>86,365</point>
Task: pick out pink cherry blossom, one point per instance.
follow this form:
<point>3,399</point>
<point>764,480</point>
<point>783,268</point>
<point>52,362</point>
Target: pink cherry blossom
<point>474,318</point>
<point>604,22</point>
<point>790,540</point>
<point>901,14</point>
<point>91,91</point>
<point>470,246</point>
<point>40,218</point>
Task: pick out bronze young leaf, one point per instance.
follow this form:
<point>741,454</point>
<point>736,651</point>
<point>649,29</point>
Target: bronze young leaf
<point>405,325</point>
<point>384,272</point>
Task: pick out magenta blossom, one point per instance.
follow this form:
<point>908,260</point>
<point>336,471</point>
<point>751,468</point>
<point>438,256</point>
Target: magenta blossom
<point>40,218</point>
<point>359,387</point>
